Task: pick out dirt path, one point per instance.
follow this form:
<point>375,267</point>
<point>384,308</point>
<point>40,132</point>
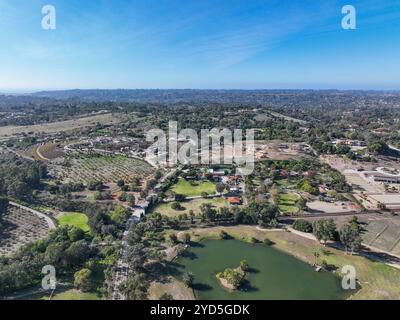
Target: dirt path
<point>40,155</point>
<point>49,221</point>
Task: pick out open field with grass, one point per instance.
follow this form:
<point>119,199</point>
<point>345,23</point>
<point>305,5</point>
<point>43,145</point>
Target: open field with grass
<point>74,294</point>
<point>377,280</point>
<point>61,293</point>
<point>193,188</point>
<point>78,220</point>
<point>171,286</point>
<point>59,126</point>
<point>285,183</point>
<point>105,168</point>
<point>287,203</point>
<point>165,208</point>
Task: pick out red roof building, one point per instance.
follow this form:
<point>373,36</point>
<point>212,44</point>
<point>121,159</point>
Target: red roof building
<point>234,200</point>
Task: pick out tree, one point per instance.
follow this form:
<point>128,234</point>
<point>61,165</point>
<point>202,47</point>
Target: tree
<point>191,215</point>
<point>75,234</point>
<point>130,198</point>
<point>77,253</point>
<point>137,286</point>
<point>267,242</point>
<point>188,279</point>
<point>220,187</point>
<point>350,238</point>
<point>302,225</point>
<point>180,197</point>
<point>18,189</point>
<point>166,296</point>
<point>208,213</point>
<point>122,197</point>
<point>54,253</point>
<point>301,203</point>
<point>120,183</point>
<point>378,147</point>
<point>232,276</point>
<point>120,215</point>
<point>244,265</point>
<point>3,207</point>
<point>136,256</point>
<point>83,280</point>
<point>316,255</point>
<point>176,206</point>
<point>173,238</point>
<point>186,238</point>
<point>95,185</point>
<point>306,186</point>
<point>223,235</point>
<point>324,230</point>
<point>274,194</point>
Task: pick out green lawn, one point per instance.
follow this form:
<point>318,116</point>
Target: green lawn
<point>285,183</point>
<point>79,220</point>
<point>74,294</point>
<point>193,188</point>
<point>287,203</point>
<point>165,208</point>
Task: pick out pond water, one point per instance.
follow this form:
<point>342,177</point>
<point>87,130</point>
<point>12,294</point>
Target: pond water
<point>273,274</point>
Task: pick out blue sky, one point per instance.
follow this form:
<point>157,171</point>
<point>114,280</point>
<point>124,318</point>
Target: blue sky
<point>248,44</point>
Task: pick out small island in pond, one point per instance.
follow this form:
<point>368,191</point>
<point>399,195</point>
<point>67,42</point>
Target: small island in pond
<point>233,278</point>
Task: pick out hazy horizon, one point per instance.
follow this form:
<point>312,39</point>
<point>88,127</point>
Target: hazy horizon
<point>210,44</point>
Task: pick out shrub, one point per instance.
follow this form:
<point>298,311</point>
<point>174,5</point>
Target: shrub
<point>223,235</point>
<point>186,238</point>
<point>253,240</point>
<point>82,280</point>
<point>267,242</point>
<point>176,206</point>
<point>303,226</point>
<point>204,194</point>
<point>244,265</point>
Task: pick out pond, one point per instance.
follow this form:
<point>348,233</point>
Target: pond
<point>273,274</point>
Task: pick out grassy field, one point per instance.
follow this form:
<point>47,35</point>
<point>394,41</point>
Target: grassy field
<point>193,188</point>
<point>59,126</point>
<point>79,220</point>
<point>74,294</point>
<point>173,287</point>
<point>287,203</point>
<point>165,208</point>
<point>377,280</point>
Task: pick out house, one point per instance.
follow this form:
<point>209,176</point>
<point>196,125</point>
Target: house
<point>234,200</point>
